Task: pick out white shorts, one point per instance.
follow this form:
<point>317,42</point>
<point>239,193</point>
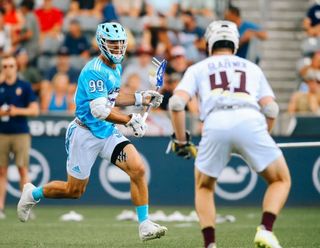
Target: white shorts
<point>243,131</point>
<point>83,148</point>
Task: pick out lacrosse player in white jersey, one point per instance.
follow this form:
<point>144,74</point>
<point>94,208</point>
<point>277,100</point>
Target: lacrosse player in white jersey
<point>237,108</point>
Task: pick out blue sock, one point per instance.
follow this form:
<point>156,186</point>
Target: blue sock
<point>37,193</point>
<point>142,212</point>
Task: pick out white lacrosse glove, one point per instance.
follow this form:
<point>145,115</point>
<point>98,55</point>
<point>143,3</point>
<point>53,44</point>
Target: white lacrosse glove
<point>153,98</point>
<point>148,97</point>
<point>137,124</point>
<point>99,108</point>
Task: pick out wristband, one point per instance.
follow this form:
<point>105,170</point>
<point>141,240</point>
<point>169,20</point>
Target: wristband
<point>138,97</point>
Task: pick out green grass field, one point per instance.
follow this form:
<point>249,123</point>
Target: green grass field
<point>295,228</point>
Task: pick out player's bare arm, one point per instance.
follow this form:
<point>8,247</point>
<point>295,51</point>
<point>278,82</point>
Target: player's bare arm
<point>270,109</point>
<point>139,98</point>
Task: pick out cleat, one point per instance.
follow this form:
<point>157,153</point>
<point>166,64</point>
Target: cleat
<point>265,239</point>
<point>149,230</point>
<point>26,202</point>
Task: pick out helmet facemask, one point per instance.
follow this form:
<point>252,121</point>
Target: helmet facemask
<point>114,50</point>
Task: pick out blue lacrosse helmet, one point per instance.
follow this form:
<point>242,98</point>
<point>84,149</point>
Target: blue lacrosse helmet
<point>112,41</point>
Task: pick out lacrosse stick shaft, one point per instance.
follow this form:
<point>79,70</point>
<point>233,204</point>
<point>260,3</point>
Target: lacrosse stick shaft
<point>145,115</point>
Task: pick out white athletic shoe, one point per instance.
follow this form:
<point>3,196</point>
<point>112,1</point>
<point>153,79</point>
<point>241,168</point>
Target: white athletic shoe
<point>212,245</point>
<point>265,239</point>
<point>26,202</point>
<point>149,230</point>
<point>2,215</point>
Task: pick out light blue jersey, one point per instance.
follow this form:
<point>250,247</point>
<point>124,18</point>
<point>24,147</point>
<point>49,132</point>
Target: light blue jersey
<point>97,80</point>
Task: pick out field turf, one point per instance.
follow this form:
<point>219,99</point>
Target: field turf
<point>295,228</point>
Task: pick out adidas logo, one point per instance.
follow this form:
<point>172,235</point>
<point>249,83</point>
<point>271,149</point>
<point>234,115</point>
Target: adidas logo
<point>76,169</point>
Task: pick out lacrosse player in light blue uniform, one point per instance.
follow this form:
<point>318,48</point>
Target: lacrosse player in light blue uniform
<point>93,132</point>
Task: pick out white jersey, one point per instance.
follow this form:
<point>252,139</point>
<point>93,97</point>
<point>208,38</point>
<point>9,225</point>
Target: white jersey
<point>225,80</point>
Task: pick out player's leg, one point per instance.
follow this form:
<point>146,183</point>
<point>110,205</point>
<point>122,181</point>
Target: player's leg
<point>72,189</point>
<point>126,157</point>
<point>278,179</point>
<point>263,155</point>
<point>82,149</point>
<point>205,206</point>
<point>130,161</point>
<point>213,155</point>
<point>4,161</point>
<point>31,195</point>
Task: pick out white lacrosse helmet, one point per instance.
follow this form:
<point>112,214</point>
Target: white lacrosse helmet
<point>222,30</point>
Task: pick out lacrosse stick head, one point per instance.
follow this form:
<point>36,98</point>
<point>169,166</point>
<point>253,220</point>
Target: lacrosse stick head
<point>160,67</point>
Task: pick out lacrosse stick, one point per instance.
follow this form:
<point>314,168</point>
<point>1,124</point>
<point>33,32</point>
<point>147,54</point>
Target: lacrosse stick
<point>160,70</point>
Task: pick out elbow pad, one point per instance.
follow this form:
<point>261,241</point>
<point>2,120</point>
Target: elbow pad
<point>176,103</point>
<point>271,110</point>
<point>99,108</point>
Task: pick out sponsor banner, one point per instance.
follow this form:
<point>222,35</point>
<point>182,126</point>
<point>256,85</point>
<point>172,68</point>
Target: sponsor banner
<point>170,178</point>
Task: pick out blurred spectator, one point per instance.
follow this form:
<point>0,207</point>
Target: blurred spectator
<point>109,12</point>
<point>30,32</point>
<point>86,4</point>
<point>62,66</point>
<point>132,84</point>
<point>128,7</point>
<point>178,62</point>
<point>150,17</point>
<point>12,17</point>
<point>311,23</point>
<point>50,20</point>
<point>164,7</point>
<point>97,10</point>
<point>312,70</point>
<point>306,102</point>
<point>170,83</point>
<point>74,10</point>
<point>191,36</point>
<point>75,42</point>
<point>17,102</point>
<point>142,66</point>
<point>57,97</point>
<point>5,36</point>
<point>248,31</point>
<point>199,7</point>
<point>28,72</point>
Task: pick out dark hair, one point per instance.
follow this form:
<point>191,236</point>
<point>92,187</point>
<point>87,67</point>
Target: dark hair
<point>8,56</point>
<point>234,10</point>
<point>223,44</point>
<point>28,4</point>
<point>188,13</point>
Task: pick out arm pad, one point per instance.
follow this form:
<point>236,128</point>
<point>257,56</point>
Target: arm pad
<point>176,103</point>
<point>99,108</point>
<point>270,110</point>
